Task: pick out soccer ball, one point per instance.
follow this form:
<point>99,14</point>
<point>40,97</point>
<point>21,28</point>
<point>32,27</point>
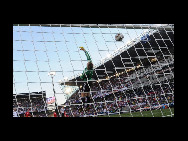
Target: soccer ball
<point>119,37</point>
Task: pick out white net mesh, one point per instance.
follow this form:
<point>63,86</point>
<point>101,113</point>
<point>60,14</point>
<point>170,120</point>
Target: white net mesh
<point>133,72</point>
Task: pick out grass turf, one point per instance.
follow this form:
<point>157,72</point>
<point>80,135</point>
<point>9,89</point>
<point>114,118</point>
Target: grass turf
<point>152,113</point>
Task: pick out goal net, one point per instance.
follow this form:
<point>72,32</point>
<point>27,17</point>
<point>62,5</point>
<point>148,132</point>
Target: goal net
<point>132,74</point>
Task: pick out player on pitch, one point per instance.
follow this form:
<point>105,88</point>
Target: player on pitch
<point>86,75</point>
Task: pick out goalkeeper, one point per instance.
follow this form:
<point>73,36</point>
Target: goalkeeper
<point>86,75</point>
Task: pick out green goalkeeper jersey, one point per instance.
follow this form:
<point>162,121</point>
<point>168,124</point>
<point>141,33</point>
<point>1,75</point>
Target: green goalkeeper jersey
<point>87,74</point>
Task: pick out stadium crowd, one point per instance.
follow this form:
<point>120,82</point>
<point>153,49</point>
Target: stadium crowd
<point>140,99</point>
<point>35,106</point>
<point>155,91</point>
<point>142,89</point>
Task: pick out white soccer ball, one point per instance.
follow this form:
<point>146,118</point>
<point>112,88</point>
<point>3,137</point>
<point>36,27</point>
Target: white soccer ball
<point>119,37</point>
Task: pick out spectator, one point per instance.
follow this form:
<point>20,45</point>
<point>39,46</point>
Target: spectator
<point>15,113</point>
<point>62,111</point>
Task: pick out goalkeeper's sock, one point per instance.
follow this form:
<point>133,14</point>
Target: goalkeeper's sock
<point>88,99</point>
<point>83,99</point>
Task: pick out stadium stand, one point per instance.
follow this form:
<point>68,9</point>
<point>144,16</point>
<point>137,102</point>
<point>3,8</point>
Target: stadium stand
<point>35,102</point>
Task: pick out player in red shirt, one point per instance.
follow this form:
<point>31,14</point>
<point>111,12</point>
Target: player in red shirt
<point>55,115</point>
<point>27,114</point>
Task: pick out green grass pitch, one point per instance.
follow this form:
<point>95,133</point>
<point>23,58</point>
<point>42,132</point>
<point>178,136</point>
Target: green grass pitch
<point>151,113</point>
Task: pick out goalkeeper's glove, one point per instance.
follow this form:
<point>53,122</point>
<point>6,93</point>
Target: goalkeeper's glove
<point>81,48</point>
